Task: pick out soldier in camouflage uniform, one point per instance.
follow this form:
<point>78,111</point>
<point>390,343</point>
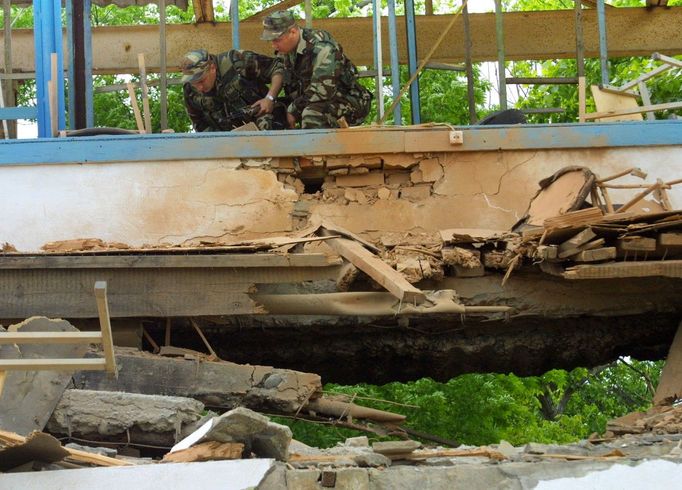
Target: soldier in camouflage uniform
<point>227,90</point>
<point>320,82</point>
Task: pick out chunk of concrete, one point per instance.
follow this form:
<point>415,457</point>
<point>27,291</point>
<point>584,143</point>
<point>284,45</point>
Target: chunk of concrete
<point>395,447</point>
<point>29,397</point>
<point>237,425</point>
<point>273,442</point>
<point>86,413</point>
<point>224,384</point>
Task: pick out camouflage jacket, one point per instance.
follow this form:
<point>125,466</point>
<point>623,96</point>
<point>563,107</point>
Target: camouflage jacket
<point>317,71</point>
<point>241,80</point>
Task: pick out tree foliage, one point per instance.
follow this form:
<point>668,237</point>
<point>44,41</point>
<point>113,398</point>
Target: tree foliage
<point>485,408</point>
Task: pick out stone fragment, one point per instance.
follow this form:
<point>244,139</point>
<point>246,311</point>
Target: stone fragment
<point>416,176</point>
<point>237,425</point>
<point>399,160</point>
<point>373,178</point>
<point>431,170</point>
<point>339,171</point>
<point>395,447</point>
<point>370,459</point>
<point>358,170</point>
<point>416,193</point>
<point>283,163</point>
<point>535,448</point>
<point>273,442</point>
<point>111,413</point>
<point>360,441</point>
<point>507,449</point>
<point>397,178</point>
<point>384,193</point>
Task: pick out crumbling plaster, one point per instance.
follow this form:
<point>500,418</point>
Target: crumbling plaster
<point>223,200</point>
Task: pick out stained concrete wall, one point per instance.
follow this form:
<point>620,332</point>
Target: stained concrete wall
<point>184,202</point>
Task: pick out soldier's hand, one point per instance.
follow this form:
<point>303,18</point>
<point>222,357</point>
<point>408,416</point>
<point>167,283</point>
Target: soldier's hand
<point>291,120</point>
<point>265,106</point>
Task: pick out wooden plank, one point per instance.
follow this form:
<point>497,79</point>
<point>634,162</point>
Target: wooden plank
<point>610,115</point>
<point>46,261</point>
<point>636,244</point>
<point>283,5</point>
<point>670,384</point>
<point>145,93</point>
<point>52,364</point>
<point>610,102</point>
<point>574,218</point>
<point>595,255</point>
<point>573,244</point>
<point>670,240</point>
<point>105,325</point>
<point>662,268</point>
<point>136,108</point>
<point>207,451</point>
<point>50,337</point>
<point>377,269</point>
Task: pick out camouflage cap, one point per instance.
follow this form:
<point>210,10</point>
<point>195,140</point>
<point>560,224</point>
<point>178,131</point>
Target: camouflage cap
<point>276,24</point>
<point>194,65</point>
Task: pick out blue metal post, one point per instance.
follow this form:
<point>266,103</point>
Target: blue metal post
<point>87,35</point>
<point>68,5</point>
<point>48,39</point>
<point>603,52</point>
<point>395,63</point>
<point>378,58</point>
<point>234,18</point>
<point>412,64</point>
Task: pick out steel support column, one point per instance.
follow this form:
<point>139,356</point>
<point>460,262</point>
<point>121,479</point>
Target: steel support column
<point>378,59</point>
<point>603,50</point>
<point>48,40</point>
<point>234,20</point>
<point>501,75</point>
<point>395,63</point>
<point>412,64</point>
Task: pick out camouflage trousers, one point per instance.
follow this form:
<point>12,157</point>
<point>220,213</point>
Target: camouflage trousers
<point>353,107</point>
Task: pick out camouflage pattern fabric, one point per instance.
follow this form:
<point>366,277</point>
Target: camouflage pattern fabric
<point>320,83</point>
<point>241,80</point>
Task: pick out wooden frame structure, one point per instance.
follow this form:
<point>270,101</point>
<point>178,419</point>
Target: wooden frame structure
<point>104,337</point>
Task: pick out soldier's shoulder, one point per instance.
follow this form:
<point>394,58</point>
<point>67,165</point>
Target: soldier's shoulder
<point>318,36</point>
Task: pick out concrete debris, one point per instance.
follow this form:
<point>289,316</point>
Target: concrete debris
<point>103,415</point>
<point>660,419</point>
<point>258,435</point>
<point>223,384</point>
<point>39,390</point>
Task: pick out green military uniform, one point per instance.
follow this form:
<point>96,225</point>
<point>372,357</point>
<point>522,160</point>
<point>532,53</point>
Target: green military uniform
<point>320,82</point>
<point>241,80</point>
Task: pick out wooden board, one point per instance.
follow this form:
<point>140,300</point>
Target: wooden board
<point>637,244</point>
<point>670,240</point>
<point>137,261</point>
<point>144,292</point>
<point>658,268</point>
<point>573,245</point>
<point>377,269</point>
<point>609,101</point>
<point>595,255</point>
<point>207,451</point>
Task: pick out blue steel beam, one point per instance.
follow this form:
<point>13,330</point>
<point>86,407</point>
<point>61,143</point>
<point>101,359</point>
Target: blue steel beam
<point>161,147</point>
<point>234,19</point>
<point>395,63</point>
<point>603,49</point>
<point>47,40</point>
<point>411,36</point>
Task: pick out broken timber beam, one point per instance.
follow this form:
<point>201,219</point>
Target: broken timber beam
<point>375,268</point>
